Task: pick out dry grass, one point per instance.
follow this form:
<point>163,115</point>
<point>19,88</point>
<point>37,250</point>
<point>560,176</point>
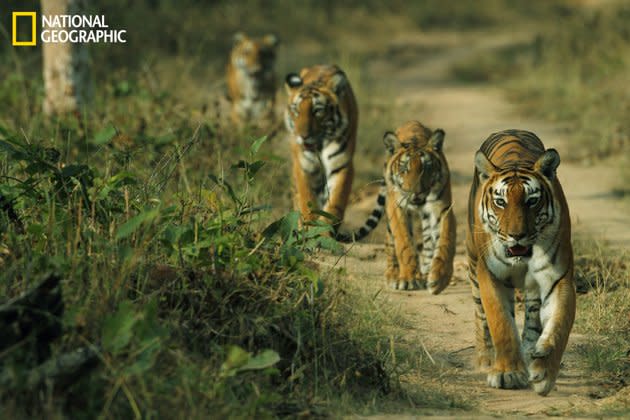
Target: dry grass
<point>603,278</point>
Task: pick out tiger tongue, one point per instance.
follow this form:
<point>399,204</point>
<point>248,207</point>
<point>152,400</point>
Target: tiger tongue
<point>519,251</point>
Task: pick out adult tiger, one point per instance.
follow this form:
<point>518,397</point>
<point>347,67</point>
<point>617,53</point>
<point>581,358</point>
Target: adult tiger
<point>322,119</point>
<point>251,80</point>
<point>519,235</point>
<point>417,186</point>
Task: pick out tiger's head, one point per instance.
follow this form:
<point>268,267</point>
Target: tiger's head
<point>254,56</point>
<point>313,111</point>
<point>517,203</point>
<point>416,166</point>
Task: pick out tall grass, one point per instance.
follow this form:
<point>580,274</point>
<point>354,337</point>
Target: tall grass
<point>575,73</point>
<point>181,267</point>
<point>603,276</point>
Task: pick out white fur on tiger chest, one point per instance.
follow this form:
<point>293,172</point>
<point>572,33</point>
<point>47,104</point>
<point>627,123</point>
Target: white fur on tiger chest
<point>251,104</point>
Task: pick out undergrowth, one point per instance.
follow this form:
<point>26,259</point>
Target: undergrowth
<point>180,268</point>
<point>575,73</point>
<point>602,276</point>
<point>194,303</point>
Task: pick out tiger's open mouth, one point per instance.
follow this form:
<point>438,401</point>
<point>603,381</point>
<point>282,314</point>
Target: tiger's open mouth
<point>518,251</point>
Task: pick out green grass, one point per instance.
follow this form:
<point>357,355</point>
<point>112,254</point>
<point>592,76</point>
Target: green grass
<point>603,276</point>
<point>181,266</point>
<point>574,73</point>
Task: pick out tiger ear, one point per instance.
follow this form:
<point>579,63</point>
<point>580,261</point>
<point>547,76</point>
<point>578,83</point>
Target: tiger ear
<point>238,37</point>
<point>484,167</point>
<point>390,141</point>
<point>292,81</point>
<point>271,40</point>
<point>437,140</point>
<point>548,163</point>
<point>338,82</point>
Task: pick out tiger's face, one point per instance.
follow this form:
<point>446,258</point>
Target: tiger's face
<point>254,56</point>
<point>415,167</point>
<point>517,204</point>
<point>313,113</point>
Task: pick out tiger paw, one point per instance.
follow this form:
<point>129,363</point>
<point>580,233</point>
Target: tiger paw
<point>399,284</point>
<point>542,376</point>
<point>541,351</point>
<point>542,371</point>
<point>514,379</point>
<point>437,285</point>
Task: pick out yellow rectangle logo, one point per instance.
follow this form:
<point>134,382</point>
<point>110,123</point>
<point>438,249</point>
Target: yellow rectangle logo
<point>33,41</point>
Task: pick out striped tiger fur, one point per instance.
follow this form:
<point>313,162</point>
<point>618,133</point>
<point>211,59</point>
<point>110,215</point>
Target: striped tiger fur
<point>417,186</point>
<point>251,79</point>
<point>321,117</point>
<point>519,236</point>
<point>372,221</point>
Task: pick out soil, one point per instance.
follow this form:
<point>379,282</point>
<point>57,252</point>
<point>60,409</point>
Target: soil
<point>443,324</point>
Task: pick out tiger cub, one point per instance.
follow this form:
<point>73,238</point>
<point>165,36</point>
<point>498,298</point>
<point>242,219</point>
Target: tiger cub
<point>251,80</point>
<point>417,187</point>
<point>519,236</point>
<point>321,117</point>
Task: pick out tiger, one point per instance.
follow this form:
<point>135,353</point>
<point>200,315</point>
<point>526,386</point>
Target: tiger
<point>321,117</point>
<point>519,236</point>
<point>416,186</point>
<point>251,79</point>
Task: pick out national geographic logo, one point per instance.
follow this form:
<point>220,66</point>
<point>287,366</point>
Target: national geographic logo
<point>76,29</point>
<point>14,37</point>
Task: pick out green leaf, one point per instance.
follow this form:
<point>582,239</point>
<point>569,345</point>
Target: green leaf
<point>325,214</point>
<point>329,244</point>
<point>104,136</point>
<point>285,226</point>
<point>263,360</point>
<point>118,328</point>
<point>316,231</point>
<point>226,187</point>
<point>131,225</point>
<point>254,167</point>
<point>236,358</point>
<point>256,145</point>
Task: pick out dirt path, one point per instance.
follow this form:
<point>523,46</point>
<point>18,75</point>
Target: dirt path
<point>443,324</point>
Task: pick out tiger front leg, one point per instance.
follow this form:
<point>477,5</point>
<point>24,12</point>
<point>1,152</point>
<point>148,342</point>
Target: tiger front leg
<point>304,169</point>
<point>339,184</point>
<point>391,271</point>
<point>483,341</point>
<point>441,264</point>
<point>403,252</point>
<point>508,369</point>
<point>557,315</point>
<point>532,327</point>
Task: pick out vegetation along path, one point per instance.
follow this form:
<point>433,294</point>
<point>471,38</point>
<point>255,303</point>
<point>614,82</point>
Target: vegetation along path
<point>443,325</point>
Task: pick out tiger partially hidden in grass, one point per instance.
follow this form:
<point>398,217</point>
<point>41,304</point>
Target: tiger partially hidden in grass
<point>416,196</point>
<point>321,117</point>
<point>251,79</point>
<point>519,236</point>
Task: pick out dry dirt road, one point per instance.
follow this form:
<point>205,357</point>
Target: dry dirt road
<point>443,324</point>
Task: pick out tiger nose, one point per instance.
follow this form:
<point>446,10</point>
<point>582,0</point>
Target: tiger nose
<point>517,236</point>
